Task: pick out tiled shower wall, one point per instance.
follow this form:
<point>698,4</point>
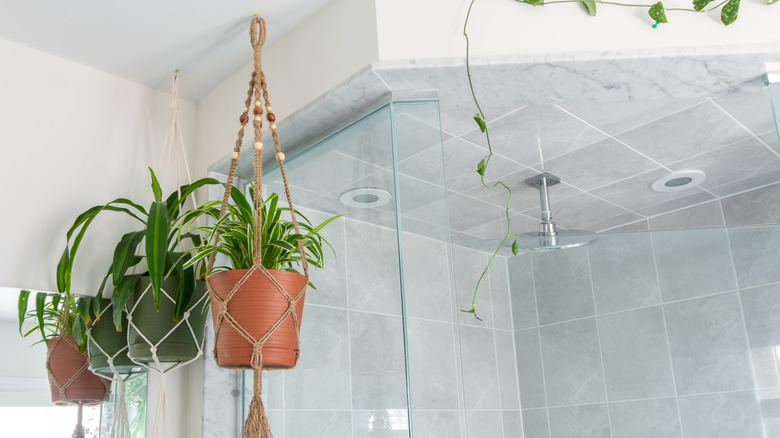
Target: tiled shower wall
<point>659,333</point>
<point>351,379</point>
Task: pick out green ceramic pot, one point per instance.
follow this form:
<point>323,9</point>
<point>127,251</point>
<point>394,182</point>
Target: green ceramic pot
<point>103,333</point>
<point>179,346</point>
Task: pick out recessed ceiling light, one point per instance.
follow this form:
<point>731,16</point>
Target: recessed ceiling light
<point>678,181</point>
<point>365,197</point>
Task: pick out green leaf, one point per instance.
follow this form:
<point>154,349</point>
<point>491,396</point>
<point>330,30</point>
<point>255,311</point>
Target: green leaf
<point>481,166</point>
<point>186,284</point>
<point>121,296</point>
<point>658,13</point>
<point>23,300</point>
<point>124,255</point>
<point>472,311</point>
<point>477,118</point>
<point>590,6</point>
<point>730,12</point>
<point>40,304</point>
<point>82,307</point>
<point>157,246</point>
<point>515,250</point>
<point>534,2</point>
<point>700,4</point>
<point>771,2</point>
<point>63,271</point>
<point>156,187</point>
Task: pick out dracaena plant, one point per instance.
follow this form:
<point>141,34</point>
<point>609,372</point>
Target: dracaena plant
<point>279,240</point>
<point>167,242</point>
<point>55,314</point>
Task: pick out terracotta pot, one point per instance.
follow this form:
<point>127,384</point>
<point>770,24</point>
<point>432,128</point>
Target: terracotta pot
<point>65,361</point>
<point>155,324</point>
<point>257,306</point>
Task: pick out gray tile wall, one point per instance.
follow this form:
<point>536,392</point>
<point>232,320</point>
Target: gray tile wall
<point>652,334</point>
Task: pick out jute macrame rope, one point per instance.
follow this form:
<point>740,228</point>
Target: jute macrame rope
<point>256,425</point>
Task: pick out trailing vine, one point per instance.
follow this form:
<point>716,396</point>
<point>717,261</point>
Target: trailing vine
<point>729,12</point>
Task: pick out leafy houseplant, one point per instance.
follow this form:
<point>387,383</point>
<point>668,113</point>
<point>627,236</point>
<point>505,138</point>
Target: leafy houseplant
<point>258,306</point>
<point>164,236</point>
<point>61,320</point>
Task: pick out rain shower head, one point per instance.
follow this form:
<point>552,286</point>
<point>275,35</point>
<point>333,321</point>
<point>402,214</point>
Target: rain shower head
<point>549,237</point>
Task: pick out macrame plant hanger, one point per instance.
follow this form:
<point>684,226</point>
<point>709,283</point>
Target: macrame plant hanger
<point>62,387</point>
<point>173,137</point>
<point>256,425</point>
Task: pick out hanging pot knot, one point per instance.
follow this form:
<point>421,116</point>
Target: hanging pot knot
<point>257,355</point>
<point>257,32</point>
<point>223,307</point>
<point>186,314</point>
<point>174,106</point>
<point>153,349</point>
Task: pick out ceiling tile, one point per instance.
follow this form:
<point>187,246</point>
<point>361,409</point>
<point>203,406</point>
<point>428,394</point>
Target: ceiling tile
<point>497,229</point>
<point>519,135</point>
<point>676,204</point>
<point>635,193</point>
<point>416,128</point>
<point>326,172</point>
<point>612,222</point>
<point>524,197</point>
<point>732,163</point>
<point>752,110</point>
<point>690,132</point>
<point>705,215</point>
<point>631,228</point>
<point>579,210</point>
<point>427,166</point>
<point>771,139</point>
<point>369,140</point>
<point>747,184</point>
<point>598,164</point>
<point>617,117</point>
<point>461,160</point>
<point>464,212</point>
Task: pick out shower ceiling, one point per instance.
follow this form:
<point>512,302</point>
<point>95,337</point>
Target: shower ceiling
<point>607,128</point>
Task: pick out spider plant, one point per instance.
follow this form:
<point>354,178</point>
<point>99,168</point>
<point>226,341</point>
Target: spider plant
<point>54,315</point>
<point>167,248</point>
<point>279,250</point>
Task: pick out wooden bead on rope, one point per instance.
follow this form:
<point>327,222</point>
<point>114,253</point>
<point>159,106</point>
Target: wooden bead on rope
<point>258,103</point>
<point>258,119</point>
<point>271,117</point>
<point>258,146</point>
<point>244,118</point>
<point>272,126</point>
<point>257,110</point>
<point>234,155</point>
<point>280,156</point>
<point>268,108</point>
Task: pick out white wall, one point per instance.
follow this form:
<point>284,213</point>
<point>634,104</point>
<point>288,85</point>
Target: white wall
<point>410,29</point>
<point>326,49</point>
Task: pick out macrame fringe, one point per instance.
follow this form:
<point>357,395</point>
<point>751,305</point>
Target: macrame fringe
<point>121,421</point>
<point>78,431</point>
<point>256,424</point>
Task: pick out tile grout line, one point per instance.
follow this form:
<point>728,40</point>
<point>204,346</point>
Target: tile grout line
<point>743,126</point>
<point>598,338</point>
<point>666,334</point>
<point>541,355</point>
<point>514,343</point>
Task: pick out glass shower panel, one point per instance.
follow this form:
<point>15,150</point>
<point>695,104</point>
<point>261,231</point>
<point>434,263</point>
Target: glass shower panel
<point>351,377</point>
<point>773,86</point>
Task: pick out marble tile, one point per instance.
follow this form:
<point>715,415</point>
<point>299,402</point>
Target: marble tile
<point>513,423</point>
<point>545,127</point>
<point>632,227</point>
<point>461,159</point>
<point>756,253</point>
<point>572,363</point>
<point>615,117</point>
<point>480,372</point>
<point>563,289</point>
<point>771,139</point>
<point>523,297</point>
<point>598,164</point>
<point>464,212</point>
<point>426,278</point>
<point>377,288</point>
<point>610,222</point>
<point>416,127</point>
<point>524,197</point>
<point>754,110</point>
<point>378,371</point>
<point>707,215</point>
<point>693,263</point>
<point>580,210</point>
<point>427,165</point>
<point>432,365</point>
<point>369,140</point>
<point>733,414</point>
<point>636,355</point>
<point>331,281</point>
<point>507,372</point>
<point>484,424</point>
<point>761,307</point>
<point>380,423</point>
<point>321,378</point>
<point>325,424</point>
<point>529,368</point>
<point>690,132</point>
<point>414,193</point>
<point>747,185</point>
<point>499,294</point>
<point>436,424</point>
<point>580,421</point>
<point>708,345</point>
<point>695,198</point>
<point>467,267</point>
<point>756,207</point>
<point>635,193</point>
<point>645,419</point>
<point>732,163</point>
<point>535,423</point>
<point>623,272</point>
<point>222,395</point>
<point>496,230</point>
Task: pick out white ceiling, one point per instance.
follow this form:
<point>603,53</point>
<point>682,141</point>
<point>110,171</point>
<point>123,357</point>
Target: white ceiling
<point>146,41</point>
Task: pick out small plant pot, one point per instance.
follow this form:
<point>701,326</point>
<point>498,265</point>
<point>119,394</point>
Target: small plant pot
<point>257,306</point>
<point>111,342</point>
<point>179,346</point>
<point>64,362</point>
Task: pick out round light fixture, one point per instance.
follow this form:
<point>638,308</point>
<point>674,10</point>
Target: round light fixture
<point>365,197</point>
<point>677,181</point>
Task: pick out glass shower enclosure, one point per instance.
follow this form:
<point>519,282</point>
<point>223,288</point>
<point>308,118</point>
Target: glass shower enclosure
<point>668,326</point>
